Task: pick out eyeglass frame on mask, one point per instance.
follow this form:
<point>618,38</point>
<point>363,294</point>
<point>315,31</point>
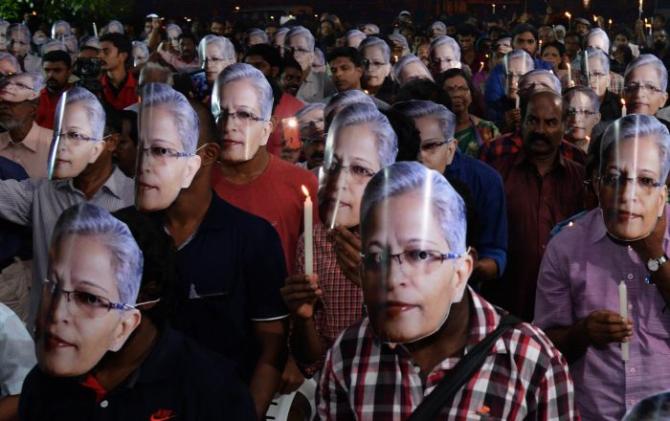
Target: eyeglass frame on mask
<point>571,112</point>
<point>646,184</point>
<point>634,86</point>
<point>378,259</point>
<point>238,115</point>
<point>335,168</point>
<point>104,303</point>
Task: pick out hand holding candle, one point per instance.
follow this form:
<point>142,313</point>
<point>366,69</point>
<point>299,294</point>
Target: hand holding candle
<point>624,111</point>
<point>623,311</point>
<point>308,233</point>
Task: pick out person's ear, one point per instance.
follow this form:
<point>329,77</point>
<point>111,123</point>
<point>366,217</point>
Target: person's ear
<point>463,269</point>
<point>274,72</point>
<point>598,116</point>
<point>123,56</point>
<point>96,151</point>
<point>192,166</point>
<point>129,322</point>
<point>663,199</point>
<point>267,131</point>
<point>112,141</point>
<point>209,154</point>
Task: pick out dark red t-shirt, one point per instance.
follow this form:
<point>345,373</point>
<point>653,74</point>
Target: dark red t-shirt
<point>275,196</point>
<point>124,97</point>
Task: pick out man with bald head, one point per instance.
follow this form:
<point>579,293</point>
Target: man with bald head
<point>543,188</point>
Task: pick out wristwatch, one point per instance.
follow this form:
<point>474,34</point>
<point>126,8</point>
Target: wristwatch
<point>655,264</point>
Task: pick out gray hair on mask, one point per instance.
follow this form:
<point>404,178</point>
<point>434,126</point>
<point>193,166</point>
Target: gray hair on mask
<point>300,31</point>
<point>633,127</point>
<point>649,60</point>
<point>406,177</point>
<point>127,261</point>
<point>20,28</point>
<point>4,56</point>
<point>404,61</point>
<point>183,115</point>
<point>242,71</point>
<point>446,40</point>
<point>300,115</point>
<point>598,32</point>
<point>585,90</point>
<point>256,32</point>
<point>60,24</point>
<point>94,111</point>
<point>599,54</point>
<point>344,99</point>
<point>438,25</point>
<point>419,108</point>
<point>365,114</point>
<point>373,41</point>
<point>556,84</point>
<point>520,53</point>
<point>227,48</point>
<point>400,39</point>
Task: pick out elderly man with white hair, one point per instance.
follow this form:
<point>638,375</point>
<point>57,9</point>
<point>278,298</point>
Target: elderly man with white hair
<point>24,142</point>
<point>83,172</point>
<point>422,320</point>
<point>315,86</point>
<point>18,43</point>
<point>604,284</point>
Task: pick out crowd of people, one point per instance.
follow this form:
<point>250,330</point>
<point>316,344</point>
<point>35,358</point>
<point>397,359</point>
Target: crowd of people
<point>463,218</point>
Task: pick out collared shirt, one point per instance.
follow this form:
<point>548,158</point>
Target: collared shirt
<point>17,352</point>
<point>230,274</point>
<point>488,195</point>
<point>121,97</point>
<point>47,108</point>
<point>580,273</point>
<point>179,380</point>
<point>32,153</point>
<point>341,304</point>
<point>535,204</point>
<point>39,202</point>
<point>510,144</point>
<point>275,196</point>
<point>315,87</point>
<point>523,377</point>
<point>14,239</point>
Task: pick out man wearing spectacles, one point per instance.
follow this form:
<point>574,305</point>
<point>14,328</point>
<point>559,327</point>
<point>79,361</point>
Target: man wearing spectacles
<point>24,142</point>
<point>604,283</point>
<point>423,319</point>
<point>315,86</point>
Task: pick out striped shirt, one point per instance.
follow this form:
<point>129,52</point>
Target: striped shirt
<point>524,376</point>
<point>39,202</point>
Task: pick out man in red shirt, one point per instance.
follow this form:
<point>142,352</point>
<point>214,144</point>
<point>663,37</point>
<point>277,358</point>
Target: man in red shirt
<point>57,67</point>
<point>119,87</point>
<point>248,176</point>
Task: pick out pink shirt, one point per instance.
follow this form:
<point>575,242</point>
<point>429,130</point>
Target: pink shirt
<point>580,273</point>
<point>31,153</point>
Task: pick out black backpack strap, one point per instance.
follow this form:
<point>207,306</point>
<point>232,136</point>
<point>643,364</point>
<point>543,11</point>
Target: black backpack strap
<point>430,407</point>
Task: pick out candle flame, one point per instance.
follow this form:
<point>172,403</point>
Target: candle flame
<point>623,102</point>
<point>304,190</point>
<point>292,122</point>
<point>568,15</point>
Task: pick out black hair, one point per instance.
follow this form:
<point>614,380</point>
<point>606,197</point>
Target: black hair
<point>56,56</point>
<point>467,29</point>
<point>269,54</point>
<point>130,116</point>
<point>290,62</point>
<point>159,275</point>
<point>557,45</point>
<point>188,35</point>
<point>349,52</point>
<point>122,43</point>
<point>522,28</point>
<point>409,138</point>
<point>423,89</point>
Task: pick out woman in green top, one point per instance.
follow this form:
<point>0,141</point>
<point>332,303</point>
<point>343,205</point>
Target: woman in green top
<point>471,132</point>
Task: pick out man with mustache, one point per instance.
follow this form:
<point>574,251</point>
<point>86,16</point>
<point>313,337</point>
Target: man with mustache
<point>57,67</point>
<point>542,188</point>
<point>24,142</point>
<point>291,76</point>
<point>119,87</point>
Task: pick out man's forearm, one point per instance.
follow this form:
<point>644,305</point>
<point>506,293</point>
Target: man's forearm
<point>306,345</point>
<point>9,408</point>
<point>264,385</point>
<point>572,341</point>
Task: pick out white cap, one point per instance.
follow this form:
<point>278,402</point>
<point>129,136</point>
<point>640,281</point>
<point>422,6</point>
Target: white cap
<point>152,16</point>
<point>405,12</point>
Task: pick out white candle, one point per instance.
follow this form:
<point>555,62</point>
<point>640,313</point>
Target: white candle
<point>308,233</point>
<point>640,9</point>
<point>623,311</point>
<point>624,112</point>
<point>586,68</point>
<point>517,101</point>
<point>95,30</point>
<point>494,8</point>
<point>569,75</point>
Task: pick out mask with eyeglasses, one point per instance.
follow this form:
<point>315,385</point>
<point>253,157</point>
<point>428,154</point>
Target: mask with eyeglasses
<point>633,87</point>
<point>412,262</point>
<point>81,303</point>
<point>17,88</point>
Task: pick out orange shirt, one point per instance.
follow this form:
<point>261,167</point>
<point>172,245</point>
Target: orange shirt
<point>275,196</point>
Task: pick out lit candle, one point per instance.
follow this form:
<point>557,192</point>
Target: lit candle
<point>494,8</point>
<point>395,59</point>
<point>609,24</point>
<point>95,30</point>
<point>481,66</point>
<point>640,9</point>
<point>623,312</point>
<point>595,19</point>
<point>308,233</point>
<point>570,84</point>
<point>569,16</point>
<point>624,112</point>
<point>517,101</point>
<point>291,133</point>
<point>586,68</point>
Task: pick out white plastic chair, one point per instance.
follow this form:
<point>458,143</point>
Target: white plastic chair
<point>281,404</point>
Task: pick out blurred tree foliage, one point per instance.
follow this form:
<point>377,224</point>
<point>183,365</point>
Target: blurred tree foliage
<point>82,11</point>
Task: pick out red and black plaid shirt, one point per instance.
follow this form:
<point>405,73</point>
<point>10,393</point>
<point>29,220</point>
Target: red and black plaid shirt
<point>524,376</point>
<point>341,304</point>
<point>511,143</point>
